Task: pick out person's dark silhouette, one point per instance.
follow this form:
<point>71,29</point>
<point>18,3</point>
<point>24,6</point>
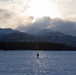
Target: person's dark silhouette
<point>37,55</point>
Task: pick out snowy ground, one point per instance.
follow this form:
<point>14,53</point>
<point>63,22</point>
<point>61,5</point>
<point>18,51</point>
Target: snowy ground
<point>26,63</point>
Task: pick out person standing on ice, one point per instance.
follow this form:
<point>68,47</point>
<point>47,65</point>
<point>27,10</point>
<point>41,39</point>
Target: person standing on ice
<point>37,55</point>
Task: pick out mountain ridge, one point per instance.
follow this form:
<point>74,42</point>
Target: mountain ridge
<point>45,36</point>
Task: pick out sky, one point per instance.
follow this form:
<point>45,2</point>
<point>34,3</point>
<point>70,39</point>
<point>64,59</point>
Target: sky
<point>35,15</point>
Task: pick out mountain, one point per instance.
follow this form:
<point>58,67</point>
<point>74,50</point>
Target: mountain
<point>14,35</point>
<point>45,36</point>
<point>6,31</point>
<point>57,37</point>
<point>49,32</point>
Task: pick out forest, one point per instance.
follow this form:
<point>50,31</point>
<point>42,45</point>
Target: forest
<point>33,46</point>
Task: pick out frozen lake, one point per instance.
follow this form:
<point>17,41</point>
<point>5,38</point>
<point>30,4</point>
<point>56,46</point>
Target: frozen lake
<point>48,63</point>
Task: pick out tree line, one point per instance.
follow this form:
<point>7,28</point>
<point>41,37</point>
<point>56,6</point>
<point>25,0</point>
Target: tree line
<point>33,46</point>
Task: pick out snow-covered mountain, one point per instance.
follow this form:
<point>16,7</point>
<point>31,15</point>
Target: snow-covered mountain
<point>49,32</point>
<point>57,37</point>
<point>5,31</point>
<point>13,35</point>
<point>45,35</point>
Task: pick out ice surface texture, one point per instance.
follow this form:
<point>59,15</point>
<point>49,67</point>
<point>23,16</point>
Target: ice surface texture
<point>27,63</point>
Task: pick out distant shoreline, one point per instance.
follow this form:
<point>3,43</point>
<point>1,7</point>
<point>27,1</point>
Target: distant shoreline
<point>35,46</point>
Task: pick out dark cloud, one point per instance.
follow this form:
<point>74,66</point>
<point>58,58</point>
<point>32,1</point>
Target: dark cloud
<point>9,19</point>
<point>66,27</point>
<point>4,14</point>
<point>35,27</point>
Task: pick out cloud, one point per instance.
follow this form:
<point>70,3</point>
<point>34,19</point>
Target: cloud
<point>9,19</point>
<point>36,26</point>
<point>13,13</point>
<point>17,6</point>
<point>67,27</point>
<point>66,8</point>
<point>64,0</point>
<point>4,0</point>
<point>4,14</point>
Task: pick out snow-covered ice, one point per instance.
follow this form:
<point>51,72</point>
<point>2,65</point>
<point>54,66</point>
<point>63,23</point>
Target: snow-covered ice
<point>48,63</point>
